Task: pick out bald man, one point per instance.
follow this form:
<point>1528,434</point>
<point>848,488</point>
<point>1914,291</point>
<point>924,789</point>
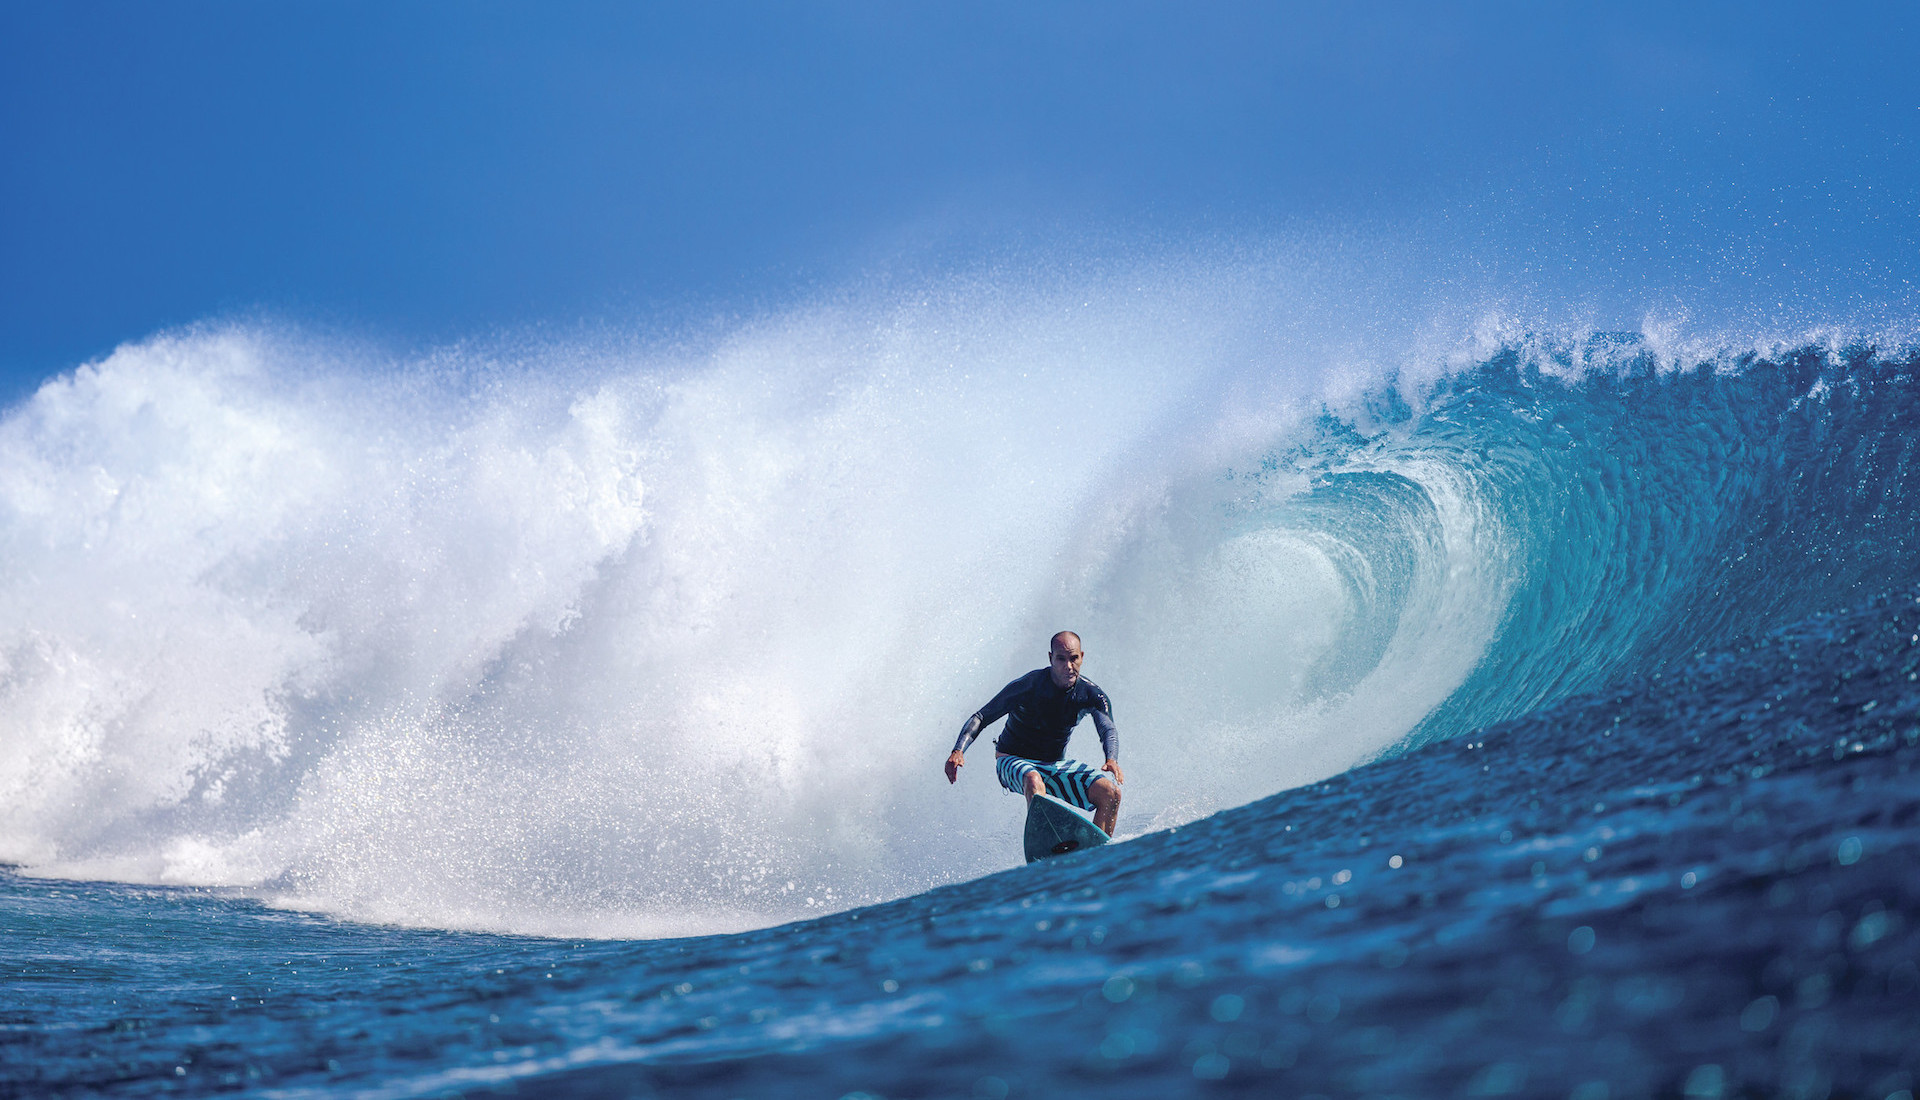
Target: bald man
<point>1041,709</point>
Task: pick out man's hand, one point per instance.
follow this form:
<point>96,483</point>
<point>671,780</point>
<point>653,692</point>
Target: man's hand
<point>955,761</point>
<point>1114,767</point>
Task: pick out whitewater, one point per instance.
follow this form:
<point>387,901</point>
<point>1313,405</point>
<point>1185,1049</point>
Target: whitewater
<point>635,640</point>
<point>494,659</point>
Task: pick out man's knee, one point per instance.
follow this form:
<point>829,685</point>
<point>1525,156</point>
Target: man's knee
<point>1105,792</point>
<point>1035,785</point>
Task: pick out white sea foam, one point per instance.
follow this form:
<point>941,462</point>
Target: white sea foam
<point>631,640</point>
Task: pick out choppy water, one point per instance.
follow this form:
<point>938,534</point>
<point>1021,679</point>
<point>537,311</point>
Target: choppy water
<point>1583,666</point>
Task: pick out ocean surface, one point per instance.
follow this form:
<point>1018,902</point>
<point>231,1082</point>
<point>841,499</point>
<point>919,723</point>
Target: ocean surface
<point>1528,713</point>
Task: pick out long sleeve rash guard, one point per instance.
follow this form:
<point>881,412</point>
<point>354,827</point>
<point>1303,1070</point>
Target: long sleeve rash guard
<point>1041,716</point>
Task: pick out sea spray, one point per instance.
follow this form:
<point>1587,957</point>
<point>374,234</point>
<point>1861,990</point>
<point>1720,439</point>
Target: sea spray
<point>598,641</point>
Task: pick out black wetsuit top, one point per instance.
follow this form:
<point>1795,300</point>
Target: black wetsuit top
<point>1041,716</point>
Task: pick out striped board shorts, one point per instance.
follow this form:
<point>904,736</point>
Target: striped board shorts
<point>1067,780</point>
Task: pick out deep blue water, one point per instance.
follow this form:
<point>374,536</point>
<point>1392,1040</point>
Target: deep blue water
<point>1659,842</point>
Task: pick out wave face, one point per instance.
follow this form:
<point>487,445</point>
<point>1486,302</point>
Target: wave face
<point>1661,510</point>
<point>637,640</point>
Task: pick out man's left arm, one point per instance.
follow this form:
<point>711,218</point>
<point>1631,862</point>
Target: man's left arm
<point>1109,738</point>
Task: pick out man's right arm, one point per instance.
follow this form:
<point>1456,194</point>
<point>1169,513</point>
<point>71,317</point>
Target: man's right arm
<point>969,731</point>
<point>958,757</point>
<point>995,710</point>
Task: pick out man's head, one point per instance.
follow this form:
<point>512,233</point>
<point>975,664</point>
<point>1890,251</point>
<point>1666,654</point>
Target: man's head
<point>1063,658</point>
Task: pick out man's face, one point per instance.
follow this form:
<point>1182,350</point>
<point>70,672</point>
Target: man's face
<point>1065,662</point>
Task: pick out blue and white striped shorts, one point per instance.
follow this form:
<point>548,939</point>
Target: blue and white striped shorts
<point>1067,780</point>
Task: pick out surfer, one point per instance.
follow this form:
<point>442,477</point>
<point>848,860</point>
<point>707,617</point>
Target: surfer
<point>1041,709</point>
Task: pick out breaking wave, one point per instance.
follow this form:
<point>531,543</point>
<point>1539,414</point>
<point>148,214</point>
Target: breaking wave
<point>630,638</point>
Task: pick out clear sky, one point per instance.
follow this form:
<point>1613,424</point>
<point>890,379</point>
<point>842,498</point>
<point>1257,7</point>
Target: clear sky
<point>420,171</point>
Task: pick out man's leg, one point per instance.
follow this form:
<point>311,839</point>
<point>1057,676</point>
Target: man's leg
<point>1019,776</point>
<point>1105,794</point>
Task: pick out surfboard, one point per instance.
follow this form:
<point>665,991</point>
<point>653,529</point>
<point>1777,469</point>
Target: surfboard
<point>1055,828</point>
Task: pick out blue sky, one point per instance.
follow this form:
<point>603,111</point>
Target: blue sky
<point>422,171</point>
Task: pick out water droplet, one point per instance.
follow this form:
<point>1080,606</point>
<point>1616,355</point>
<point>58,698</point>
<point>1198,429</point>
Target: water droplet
<point>1323,1008</point>
<point>1580,940</point>
<point>1227,1008</point>
<point>1871,930</point>
<point>1211,1067</point>
<point>1706,1082</point>
<point>1394,862</point>
<point>1849,852</point>
<point>1759,1014</point>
